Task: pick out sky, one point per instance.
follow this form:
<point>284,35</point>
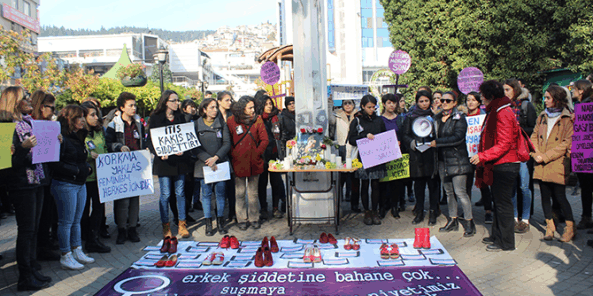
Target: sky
<point>173,15</point>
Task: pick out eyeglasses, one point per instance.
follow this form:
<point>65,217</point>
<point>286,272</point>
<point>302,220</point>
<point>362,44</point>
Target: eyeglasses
<point>53,108</point>
<point>446,101</point>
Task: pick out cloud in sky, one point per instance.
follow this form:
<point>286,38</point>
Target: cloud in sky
<point>176,15</point>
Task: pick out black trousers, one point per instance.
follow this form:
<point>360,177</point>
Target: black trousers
<point>393,193</point>
<point>48,222</point>
<point>27,205</point>
<point>586,182</point>
<point>230,196</point>
<point>433,193</point>
<point>503,224</point>
<point>278,190</point>
<point>90,224</point>
<point>484,191</point>
<point>558,191</point>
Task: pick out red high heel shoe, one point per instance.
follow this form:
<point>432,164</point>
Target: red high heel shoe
<point>225,242</point>
<point>264,242</point>
<point>166,244</point>
<point>331,239</point>
<point>171,261</point>
<point>394,253</point>
<point>316,254</point>
<point>162,261</point>
<point>347,245</point>
<point>259,258</point>
<point>323,238</point>
<point>307,258</point>
<point>173,246</point>
<point>274,245</point>
<point>385,251</point>
<point>355,245</point>
<point>268,259</point>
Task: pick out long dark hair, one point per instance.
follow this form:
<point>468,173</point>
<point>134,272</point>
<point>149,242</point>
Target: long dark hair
<point>66,119</point>
<point>162,105</point>
<point>259,108</point>
<point>514,83</point>
<point>559,96</point>
<point>40,98</point>
<point>86,107</point>
<point>586,86</point>
<point>204,105</point>
<point>238,110</point>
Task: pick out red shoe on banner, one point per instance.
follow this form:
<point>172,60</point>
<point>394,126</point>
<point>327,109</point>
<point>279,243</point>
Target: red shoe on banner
<point>426,238</point>
<point>418,237</point>
<point>274,245</point>
<point>234,242</point>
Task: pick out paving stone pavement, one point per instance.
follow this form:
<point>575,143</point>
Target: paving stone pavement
<point>536,267</point>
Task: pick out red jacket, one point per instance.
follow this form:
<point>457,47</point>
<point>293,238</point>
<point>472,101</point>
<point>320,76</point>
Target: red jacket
<point>247,157</point>
<point>505,139</point>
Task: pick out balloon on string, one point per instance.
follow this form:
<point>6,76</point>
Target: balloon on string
<point>270,73</point>
<point>470,79</point>
<point>399,62</point>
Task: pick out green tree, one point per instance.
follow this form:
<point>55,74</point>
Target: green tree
<point>155,76</point>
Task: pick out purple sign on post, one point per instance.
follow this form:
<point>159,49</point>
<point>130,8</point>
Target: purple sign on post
<point>48,145</point>
<point>270,73</point>
<point>470,79</point>
<point>434,280</point>
<point>399,62</point>
<point>582,139</point>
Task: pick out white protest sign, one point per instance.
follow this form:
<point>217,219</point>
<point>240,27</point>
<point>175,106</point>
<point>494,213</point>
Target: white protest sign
<point>124,174</point>
<point>474,129</point>
<point>222,173</point>
<point>173,139</point>
<point>382,149</point>
<point>48,145</point>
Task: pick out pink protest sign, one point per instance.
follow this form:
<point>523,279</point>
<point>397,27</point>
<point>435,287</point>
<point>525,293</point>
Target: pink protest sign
<point>270,73</point>
<point>582,139</point>
<point>470,79</point>
<point>382,149</point>
<point>399,62</point>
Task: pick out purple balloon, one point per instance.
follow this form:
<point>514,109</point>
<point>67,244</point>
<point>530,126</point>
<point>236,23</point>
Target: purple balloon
<point>399,62</point>
<point>270,73</point>
<point>470,79</point>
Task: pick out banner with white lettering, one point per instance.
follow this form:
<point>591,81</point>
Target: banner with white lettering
<point>124,174</point>
<point>172,139</point>
<point>474,129</point>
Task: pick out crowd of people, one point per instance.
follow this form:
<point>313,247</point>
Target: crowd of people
<point>59,201</point>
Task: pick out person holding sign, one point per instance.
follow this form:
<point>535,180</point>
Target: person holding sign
<point>249,141</point>
<point>422,162</point>
<point>170,169</point>
<point>366,125</point>
<point>583,92</point>
<point>552,138</point>
<point>68,186</point>
<point>24,185</point>
<point>453,163</point>
<point>216,144</point>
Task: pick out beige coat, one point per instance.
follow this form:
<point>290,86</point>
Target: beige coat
<point>555,150</point>
<point>342,128</point>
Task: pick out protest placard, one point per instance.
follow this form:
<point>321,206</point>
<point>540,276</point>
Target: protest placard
<point>48,145</point>
<point>341,92</point>
<point>582,139</point>
<point>399,62</point>
<point>124,174</point>
<point>222,173</point>
<point>270,73</point>
<point>470,79</point>
<point>398,169</point>
<point>6,133</point>
<point>173,139</point>
<point>474,129</point>
<point>382,149</point>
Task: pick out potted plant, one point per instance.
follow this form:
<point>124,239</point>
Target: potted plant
<point>132,75</point>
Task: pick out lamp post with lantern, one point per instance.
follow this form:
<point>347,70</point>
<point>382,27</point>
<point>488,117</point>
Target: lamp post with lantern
<point>161,59</point>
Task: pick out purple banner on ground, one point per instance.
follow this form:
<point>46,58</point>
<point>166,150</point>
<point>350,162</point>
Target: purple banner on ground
<point>394,281</point>
<point>582,139</point>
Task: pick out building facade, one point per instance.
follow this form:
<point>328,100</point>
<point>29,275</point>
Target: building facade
<point>18,15</point>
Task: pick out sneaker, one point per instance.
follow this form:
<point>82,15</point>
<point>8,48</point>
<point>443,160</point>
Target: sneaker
<point>81,256</point>
<point>68,262</point>
<point>488,218</point>
<point>218,258</point>
<point>522,227</point>
<point>516,226</point>
<point>411,198</point>
<point>278,214</point>
<point>256,225</point>
<point>225,242</point>
<point>234,242</point>
<point>243,226</point>
<point>209,259</point>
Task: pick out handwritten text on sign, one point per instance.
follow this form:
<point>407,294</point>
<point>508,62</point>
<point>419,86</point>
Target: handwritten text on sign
<point>270,73</point>
<point>470,79</point>
<point>6,134</point>
<point>382,149</point>
<point>124,174</point>
<point>48,145</point>
<point>399,62</point>
<point>582,139</point>
<point>474,129</point>
<point>173,139</point>
<point>398,169</point>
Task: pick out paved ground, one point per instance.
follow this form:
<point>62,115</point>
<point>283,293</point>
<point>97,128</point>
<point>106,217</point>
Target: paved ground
<point>536,267</point>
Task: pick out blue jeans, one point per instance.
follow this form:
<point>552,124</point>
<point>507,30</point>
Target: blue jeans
<point>70,200</point>
<point>220,189</point>
<point>165,183</point>
<point>523,183</point>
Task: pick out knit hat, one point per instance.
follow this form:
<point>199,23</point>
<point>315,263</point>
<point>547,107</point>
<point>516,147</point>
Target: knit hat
<point>287,101</point>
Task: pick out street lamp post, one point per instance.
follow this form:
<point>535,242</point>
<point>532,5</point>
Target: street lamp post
<point>204,85</point>
<point>161,58</point>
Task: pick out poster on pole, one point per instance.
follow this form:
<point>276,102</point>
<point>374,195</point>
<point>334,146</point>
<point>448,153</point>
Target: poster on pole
<point>341,92</point>
<point>398,169</point>
<point>124,174</point>
<point>48,145</point>
<point>382,149</point>
<point>474,129</point>
<point>470,79</point>
<point>6,133</point>
<point>399,62</point>
<point>270,73</point>
<point>582,139</point>
<point>172,139</point>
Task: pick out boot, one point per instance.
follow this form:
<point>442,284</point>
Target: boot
<point>568,234</point>
<point>220,225</point>
<point>121,236</point>
<point>382,212</point>
<point>40,277</point>
<point>426,238</point>
<point>452,225</point>
<point>469,227</point>
<point>368,218</point>
<point>418,238</point>
<point>167,230</point>
<point>586,223</point>
<point>376,218</point>
<point>182,231</point>
<point>419,217</point>
<point>432,218</point>
<point>209,231</point>
<point>30,283</point>
<point>133,235</point>
<point>550,228</point>
<point>93,245</point>
<point>395,213</point>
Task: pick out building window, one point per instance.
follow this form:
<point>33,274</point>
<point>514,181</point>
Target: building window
<point>331,29</point>
<point>366,4</point>
<point>383,38</point>
<point>27,8</point>
<point>15,4</point>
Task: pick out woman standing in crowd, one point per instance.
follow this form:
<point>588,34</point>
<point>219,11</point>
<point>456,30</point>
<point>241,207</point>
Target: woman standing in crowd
<point>366,125</point>
<point>393,192</point>
<point>95,144</point>
<point>453,163</point>
<point>249,141</point>
<point>24,184</point>
<point>216,144</point>
<point>552,138</point>
<point>269,114</point>
<point>225,101</point>
<point>582,92</point>
<point>498,163</point>
<point>422,163</point>
<point>474,104</point>
<point>344,118</point>
<point>287,123</point>
<point>408,181</point>
<point>171,169</point>
<point>68,186</point>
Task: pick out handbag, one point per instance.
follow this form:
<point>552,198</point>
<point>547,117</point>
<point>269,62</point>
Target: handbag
<point>524,147</point>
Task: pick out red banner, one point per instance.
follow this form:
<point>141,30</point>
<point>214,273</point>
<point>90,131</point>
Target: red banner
<point>20,18</point>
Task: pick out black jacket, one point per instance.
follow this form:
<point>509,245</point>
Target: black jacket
<point>274,134</point>
<point>288,126</point>
<point>528,116</point>
<point>174,165</point>
<point>73,166</point>
<point>368,125</point>
<point>422,164</point>
<point>451,143</point>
